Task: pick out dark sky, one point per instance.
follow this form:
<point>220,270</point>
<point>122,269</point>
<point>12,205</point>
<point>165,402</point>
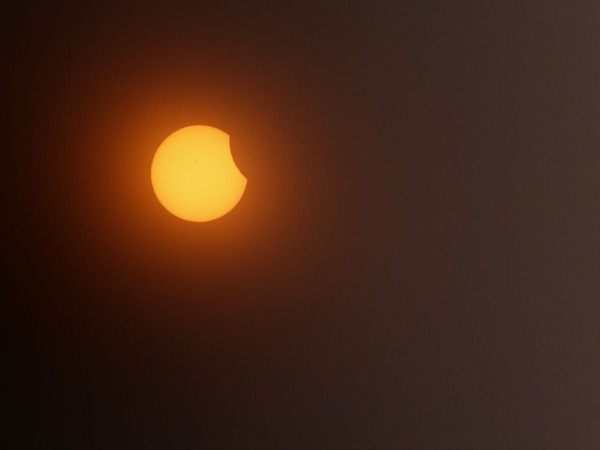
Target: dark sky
<point>415,262</point>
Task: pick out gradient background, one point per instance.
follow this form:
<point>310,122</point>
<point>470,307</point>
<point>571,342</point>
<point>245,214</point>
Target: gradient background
<point>415,262</point>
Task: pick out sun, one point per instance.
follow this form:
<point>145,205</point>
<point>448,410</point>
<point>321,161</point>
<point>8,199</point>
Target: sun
<point>194,176</point>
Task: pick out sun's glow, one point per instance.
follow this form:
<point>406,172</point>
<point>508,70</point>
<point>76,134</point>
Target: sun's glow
<point>194,176</point>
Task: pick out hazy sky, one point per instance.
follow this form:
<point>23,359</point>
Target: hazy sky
<point>415,262</point>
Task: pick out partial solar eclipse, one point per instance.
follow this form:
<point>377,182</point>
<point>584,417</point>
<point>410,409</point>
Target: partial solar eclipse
<point>194,176</point>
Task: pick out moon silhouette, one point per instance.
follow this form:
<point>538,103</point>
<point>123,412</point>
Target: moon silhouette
<point>194,176</point>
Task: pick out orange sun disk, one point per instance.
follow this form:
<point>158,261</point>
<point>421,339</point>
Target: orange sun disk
<point>194,176</point>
